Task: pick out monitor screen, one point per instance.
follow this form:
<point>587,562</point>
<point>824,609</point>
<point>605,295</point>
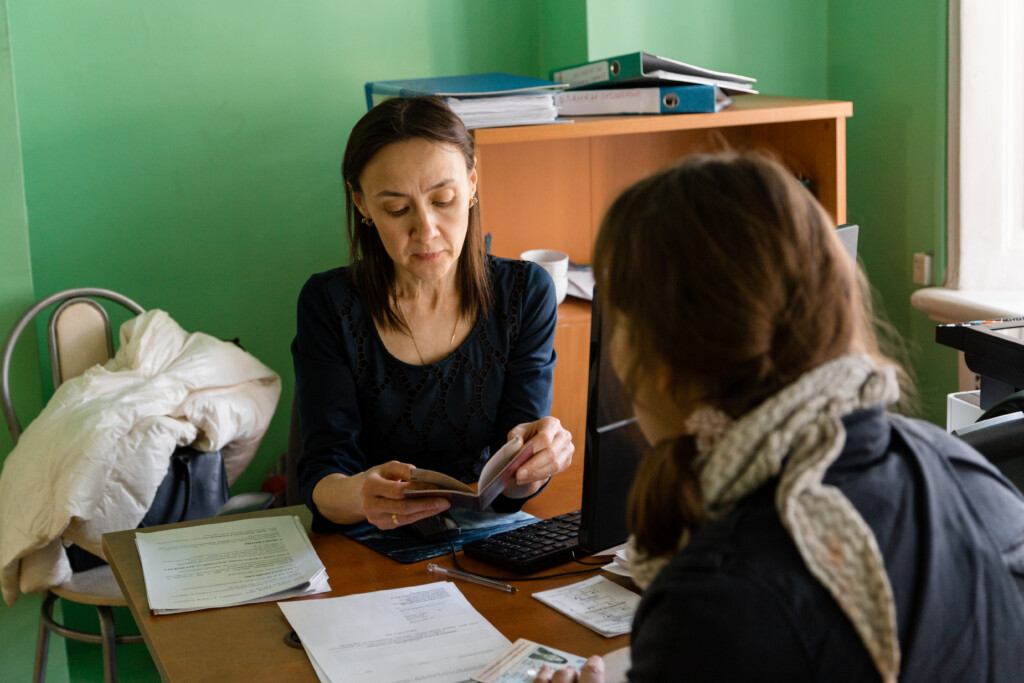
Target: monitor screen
<point>848,235</point>
<point>612,449</point>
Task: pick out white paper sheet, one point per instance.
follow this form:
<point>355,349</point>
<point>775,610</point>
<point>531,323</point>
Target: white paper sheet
<point>597,603</point>
<point>230,563</point>
<point>427,633</point>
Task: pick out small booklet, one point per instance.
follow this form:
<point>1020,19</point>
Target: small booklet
<point>522,661</point>
<point>599,604</point>
<point>496,475</point>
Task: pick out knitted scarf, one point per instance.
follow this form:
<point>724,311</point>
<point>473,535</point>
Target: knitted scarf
<point>795,436</point>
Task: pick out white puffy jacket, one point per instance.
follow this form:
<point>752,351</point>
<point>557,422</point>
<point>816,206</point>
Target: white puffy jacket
<point>92,460</point>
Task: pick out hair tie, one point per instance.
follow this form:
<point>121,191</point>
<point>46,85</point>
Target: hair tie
<point>707,425</point>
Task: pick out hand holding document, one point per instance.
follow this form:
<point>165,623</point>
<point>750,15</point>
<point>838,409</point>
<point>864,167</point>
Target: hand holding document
<point>522,662</point>
<point>498,472</point>
<point>230,563</point>
<point>428,633</point>
<point>597,603</point>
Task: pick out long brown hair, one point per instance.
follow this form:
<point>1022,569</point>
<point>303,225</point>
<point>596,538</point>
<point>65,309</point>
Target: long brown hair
<point>728,272</point>
<point>372,271</point>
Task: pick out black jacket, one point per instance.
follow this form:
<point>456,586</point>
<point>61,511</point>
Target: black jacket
<point>738,604</point>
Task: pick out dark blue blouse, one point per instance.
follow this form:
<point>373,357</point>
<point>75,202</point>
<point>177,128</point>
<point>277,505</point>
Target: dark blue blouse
<point>359,406</point>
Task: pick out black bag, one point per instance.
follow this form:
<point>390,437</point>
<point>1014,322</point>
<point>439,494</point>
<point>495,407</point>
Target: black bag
<point>195,487</point>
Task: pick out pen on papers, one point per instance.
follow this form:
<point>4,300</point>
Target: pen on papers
<point>472,578</point>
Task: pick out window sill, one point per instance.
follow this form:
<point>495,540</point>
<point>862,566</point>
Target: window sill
<point>946,306</point>
<point>956,305</point>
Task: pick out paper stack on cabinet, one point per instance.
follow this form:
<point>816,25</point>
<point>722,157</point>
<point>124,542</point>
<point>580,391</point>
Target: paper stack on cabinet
<point>480,100</point>
<point>230,563</point>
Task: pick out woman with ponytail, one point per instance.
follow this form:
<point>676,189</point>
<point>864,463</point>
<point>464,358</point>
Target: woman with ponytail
<point>786,525</point>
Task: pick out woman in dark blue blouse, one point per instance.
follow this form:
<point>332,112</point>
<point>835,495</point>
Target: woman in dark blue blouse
<point>424,351</point>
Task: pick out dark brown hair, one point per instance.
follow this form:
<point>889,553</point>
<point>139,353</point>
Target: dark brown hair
<point>373,273</point>
<point>726,270</point>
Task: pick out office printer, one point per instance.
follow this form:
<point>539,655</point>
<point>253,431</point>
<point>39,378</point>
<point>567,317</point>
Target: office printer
<point>994,349</point>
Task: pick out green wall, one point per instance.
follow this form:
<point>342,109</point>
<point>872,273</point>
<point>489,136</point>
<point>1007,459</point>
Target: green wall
<point>18,624</point>
<point>782,43</point>
<point>890,60</point>
<point>15,267</point>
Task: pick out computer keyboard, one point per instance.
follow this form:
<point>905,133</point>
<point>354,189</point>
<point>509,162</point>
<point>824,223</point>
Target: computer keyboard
<point>530,548</point>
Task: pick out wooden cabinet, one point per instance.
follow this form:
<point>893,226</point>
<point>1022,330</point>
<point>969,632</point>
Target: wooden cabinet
<point>548,187</point>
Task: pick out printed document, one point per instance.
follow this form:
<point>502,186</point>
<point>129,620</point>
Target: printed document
<point>427,633</point>
<point>597,603</point>
<point>230,563</point>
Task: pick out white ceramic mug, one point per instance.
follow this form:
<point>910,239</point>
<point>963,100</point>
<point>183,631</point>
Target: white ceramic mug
<point>556,263</point>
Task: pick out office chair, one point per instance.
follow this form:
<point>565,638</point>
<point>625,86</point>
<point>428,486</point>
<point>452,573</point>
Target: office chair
<point>79,337</point>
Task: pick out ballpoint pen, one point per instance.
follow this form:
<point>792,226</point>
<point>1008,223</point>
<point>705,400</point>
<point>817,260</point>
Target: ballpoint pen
<point>472,578</point>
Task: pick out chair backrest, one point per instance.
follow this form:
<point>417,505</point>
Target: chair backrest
<point>79,337</point>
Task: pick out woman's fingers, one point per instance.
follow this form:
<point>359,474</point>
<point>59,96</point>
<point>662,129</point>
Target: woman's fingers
<point>384,502</point>
<point>552,449</point>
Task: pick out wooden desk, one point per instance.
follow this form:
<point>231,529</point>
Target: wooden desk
<point>247,641</point>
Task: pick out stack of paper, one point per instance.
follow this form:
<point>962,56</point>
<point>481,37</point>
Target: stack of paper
<point>581,281</point>
<point>231,563</point>
<point>597,603</point>
<point>510,110</point>
<point>422,633</point>
<point>480,100</point>
<point>619,564</point>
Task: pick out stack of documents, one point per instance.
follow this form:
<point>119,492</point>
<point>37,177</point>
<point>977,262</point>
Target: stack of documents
<point>581,282</point>
<point>230,563</point>
<point>480,100</point>
<point>597,603</point>
<point>619,564</point>
<point>422,633</point>
<point>642,83</point>
<point>512,110</point>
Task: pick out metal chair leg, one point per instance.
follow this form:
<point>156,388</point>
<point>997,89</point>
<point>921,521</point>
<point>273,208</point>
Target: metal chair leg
<point>109,634</point>
<point>43,642</point>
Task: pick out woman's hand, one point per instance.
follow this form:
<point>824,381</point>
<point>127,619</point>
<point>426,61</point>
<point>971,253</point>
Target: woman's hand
<point>552,453</point>
<point>376,495</point>
<point>383,497</point>
<point>592,672</point>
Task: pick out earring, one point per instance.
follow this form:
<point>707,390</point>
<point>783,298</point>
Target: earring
<point>473,202</point>
<point>367,221</point>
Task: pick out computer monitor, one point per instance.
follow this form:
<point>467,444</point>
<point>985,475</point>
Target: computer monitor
<point>613,447</point>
